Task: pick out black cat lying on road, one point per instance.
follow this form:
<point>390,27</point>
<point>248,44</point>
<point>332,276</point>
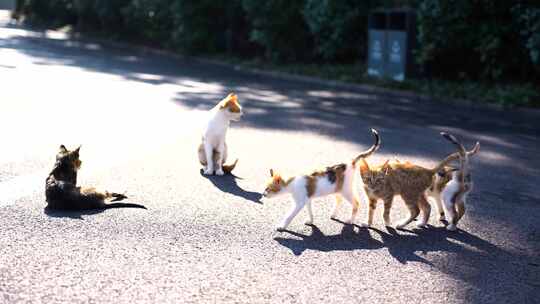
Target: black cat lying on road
<point>61,189</point>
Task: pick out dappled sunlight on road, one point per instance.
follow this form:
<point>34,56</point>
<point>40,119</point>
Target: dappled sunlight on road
<point>138,119</point>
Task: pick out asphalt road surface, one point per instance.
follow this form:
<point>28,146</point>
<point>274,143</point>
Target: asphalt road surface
<point>208,240</point>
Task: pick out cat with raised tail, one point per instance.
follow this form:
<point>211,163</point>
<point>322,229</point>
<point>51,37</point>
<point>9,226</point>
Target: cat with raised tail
<point>62,193</point>
<point>213,148</point>
<point>406,179</point>
<point>412,182</point>
<point>442,179</point>
<point>342,179</point>
<point>455,192</point>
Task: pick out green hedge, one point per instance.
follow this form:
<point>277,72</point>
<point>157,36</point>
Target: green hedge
<point>483,39</point>
<point>486,40</point>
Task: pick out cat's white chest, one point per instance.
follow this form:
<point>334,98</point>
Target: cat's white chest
<point>216,129</point>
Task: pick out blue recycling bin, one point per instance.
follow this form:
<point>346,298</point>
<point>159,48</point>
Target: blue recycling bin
<point>391,41</point>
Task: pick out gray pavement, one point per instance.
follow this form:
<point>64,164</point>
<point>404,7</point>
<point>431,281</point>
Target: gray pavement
<point>208,240</point>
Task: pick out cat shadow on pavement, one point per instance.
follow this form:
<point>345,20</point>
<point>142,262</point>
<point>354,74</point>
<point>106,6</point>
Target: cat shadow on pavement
<point>77,214</point>
<point>348,239</point>
<point>407,246</point>
<point>412,244</point>
<point>72,214</point>
<point>227,183</point>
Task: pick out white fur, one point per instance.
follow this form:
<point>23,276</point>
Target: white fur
<point>297,188</point>
<point>449,191</point>
<point>213,138</point>
<point>436,196</point>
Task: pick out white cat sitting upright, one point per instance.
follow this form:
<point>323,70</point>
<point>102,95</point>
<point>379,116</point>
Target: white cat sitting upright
<point>213,148</point>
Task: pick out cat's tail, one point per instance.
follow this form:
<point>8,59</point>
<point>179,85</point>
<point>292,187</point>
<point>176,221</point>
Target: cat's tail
<point>372,149</point>
<point>228,168</point>
<point>123,205</point>
<point>462,154</point>
<point>463,157</point>
<point>461,149</point>
<point>473,151</point>
<point>115,197</point>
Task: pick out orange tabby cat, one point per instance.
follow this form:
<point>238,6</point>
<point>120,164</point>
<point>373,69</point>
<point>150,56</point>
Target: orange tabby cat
<point>411,182</point>
<point>408,180</point>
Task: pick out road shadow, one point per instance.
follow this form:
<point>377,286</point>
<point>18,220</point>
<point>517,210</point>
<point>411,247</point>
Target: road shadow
<point>349,239</point>
<point>405,247</point>
<point>72,214</point>
<point>466,257</point>
<point>77,214</point>
<point>227,183</point>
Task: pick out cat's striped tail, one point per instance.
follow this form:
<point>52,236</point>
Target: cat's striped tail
<point>372,149</point>
<point>454,140</point>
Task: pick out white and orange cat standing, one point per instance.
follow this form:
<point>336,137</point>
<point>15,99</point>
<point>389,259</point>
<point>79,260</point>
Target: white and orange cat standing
<point>213,148</point>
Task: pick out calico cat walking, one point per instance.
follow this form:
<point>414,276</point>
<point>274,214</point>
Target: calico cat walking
<point>341,179</point>
<point>442,179</point>
<point>455,192</point>
<point>61,189</point>
<point>213,148</point>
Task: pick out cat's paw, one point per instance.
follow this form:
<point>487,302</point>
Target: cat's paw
<point>421,225</point>
<point>219,172</point>
<point>349,222</point>
<point>451,227</point>
<point>364,225</point>
<point>388,223</point>
<point>208,171</point>
<point>309,222</point>
<point>280,228</point>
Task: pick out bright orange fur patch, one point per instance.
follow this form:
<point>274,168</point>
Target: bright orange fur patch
<point>231,102</point>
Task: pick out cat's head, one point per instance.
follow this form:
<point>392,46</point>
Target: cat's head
<point>68,159</point>
<point>275,185</point>
<point>374,177</point>
<point>230,107</point>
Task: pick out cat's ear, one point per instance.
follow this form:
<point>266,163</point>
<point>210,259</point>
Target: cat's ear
<point>76,151</point>
<point>62,149</point>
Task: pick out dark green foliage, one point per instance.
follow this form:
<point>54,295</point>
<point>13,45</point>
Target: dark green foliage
<point>54,12</point>
<point>209,26</point>
<point>473,40</point>
<point>339,28</point>
<point>279,27</point>
<point>149,20</point>
<point>528,18</point>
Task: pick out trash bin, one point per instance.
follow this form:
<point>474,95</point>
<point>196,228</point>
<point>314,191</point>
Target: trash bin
<point>377,44</point>
<point>391,40</point>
